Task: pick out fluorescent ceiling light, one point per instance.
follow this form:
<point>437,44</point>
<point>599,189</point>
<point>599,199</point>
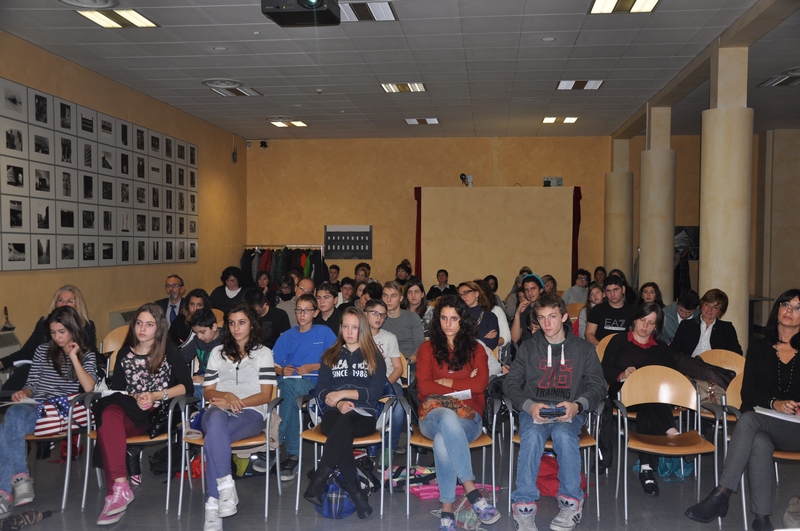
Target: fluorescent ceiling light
<point>367,11</point>
<point>593,84</point>
<point>100,19</point>
<point>118,18</point>
<point>549,120</point>
<point>643,6</point>
<point>422,121</point>
<point>134,18</point>
<point>579,84</point>
<point>346,13</point>
<point>603,6</point>
<point>392,88</point>
<point>279,124</point>
<point>382,11</point>
<point>565,85</point>
<point>570,119</point>
<point>298,123</point>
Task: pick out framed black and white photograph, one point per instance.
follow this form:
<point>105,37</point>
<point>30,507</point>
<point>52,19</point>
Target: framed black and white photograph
<point>105,129</point>
<point>155,225</point>
<point>155,251</point>
<point>66,218</point>
<point>169,225</point>
<point>192,251</point>
<point>42,180</point>
<point>124,191</point>
<point>169,200</point>
<point>87,123</point>
<point>15,100</point>
<point>87,155</point>
<point>192,203</point>
<point>43,216</point>
<point>154,145</point>
<point>107,190</point>
<point>140,197</point>
<point>65,149</point>
<point>107,160</point>
<point>180,202</point>
<point>64,116</point>
<point>124,135</point>
<point>124,251</point>
<point>181,155</point>
<point>154,171</point>
<point>16,252</point>
<point>107,251</point>
<point>155,192</point>
<point>125,222</point>
<point>43,247</point>
<point>124,161</point>
<point>65,184</point>
<point>193,180</point>
<point>192,228</point>
<point>180,252</point>
<point>87,215</point>
<point>169,173</point>
<point>15,176</point>
<point>40,108</point>
<point>15,211</point>
<point>169,250</point>
<point>139,139</point>
<point>89,248</point>
<point>192,156</point>
<point>41,144</point>
<point>67,251</point>
<point>88,188</point>
<point>140,219</point>
<point>141,251</point>
<point>107,221</point>
<point>139,167</point>
<point>169,148</point>
<point>181,181</point>
<point>182,228</point>
<point>14,137</point>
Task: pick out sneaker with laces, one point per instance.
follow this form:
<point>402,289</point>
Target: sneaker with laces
<point>108,519</point>
<point>22,487</point>
<point>569,515</point>
<point>525,516</point>
<point>121,497</point>
<point>289,468</point>
<point>228,497</point>
<point>447,524</point>
<point>213,522</point>
<point>486,512</point>
<point>6,504</point>
<point>648,481</point>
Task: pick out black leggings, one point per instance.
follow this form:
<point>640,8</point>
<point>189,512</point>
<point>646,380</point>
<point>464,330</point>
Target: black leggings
<point>341,429</point>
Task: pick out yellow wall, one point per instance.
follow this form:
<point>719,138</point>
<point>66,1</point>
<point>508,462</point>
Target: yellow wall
<point>222,189</point>
<point>297,187</point>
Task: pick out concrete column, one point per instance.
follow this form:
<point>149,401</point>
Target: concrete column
<point>618,231</point>
<point>657,204</point>
<point>726,165</point>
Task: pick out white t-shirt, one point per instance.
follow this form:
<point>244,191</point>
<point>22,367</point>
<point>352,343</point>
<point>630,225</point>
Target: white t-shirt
<point>387,344</point>
<point>244,378</point>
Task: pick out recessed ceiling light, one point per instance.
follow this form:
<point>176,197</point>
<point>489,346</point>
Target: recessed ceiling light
<point>91,4</point>
<point>222,83</point>
<point>220,49</point>
<point>570,119</point>
<point>298,123</point>
<point>100,19</point>
<point>279,124</point>
<point>118,18</point>
<point>282,121</point>
<point>135,18</point>
<point>622,6</point>
<point>367,11</point>
<point>568,84</point>
<point>549,120</point>
<point>548,39</point>
<point>392,88</point>
<point>422,121</point>
<point>794,71</point>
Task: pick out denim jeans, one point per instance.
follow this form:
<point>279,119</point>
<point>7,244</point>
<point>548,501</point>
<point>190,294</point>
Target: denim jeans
<point>398,423</point>
<point>20,420</point>
<point>451,437</point>
<point>221,429</point>
<point>291,388</point>
<point>565,437</point>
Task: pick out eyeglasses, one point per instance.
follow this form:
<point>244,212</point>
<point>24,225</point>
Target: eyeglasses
<point>66,301</point>
<point>466,292</point>
<point>172,286</point>
<point>789,307</point>
<point>376,313</point>
<point>304,290</point>
<point>306,311</point>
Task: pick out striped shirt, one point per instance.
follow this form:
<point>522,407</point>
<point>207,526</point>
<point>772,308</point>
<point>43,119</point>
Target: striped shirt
<point>243,378</point>
<point>45,382</point>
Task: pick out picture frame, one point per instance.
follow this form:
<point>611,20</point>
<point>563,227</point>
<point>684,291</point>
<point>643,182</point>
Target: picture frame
<point>106,160</point>
<point>192,184</point>
<point>41,144</point>
<point>15,176</point>
<point>155,227</point>
<point>125,222</point>
<point>169,149</point>
<point>192,251</point>
<point>86,122</point>
<point>169,225</point>
<point>182,227</point>
<point>140,219</point>
<point>182,180</point>
<point>40,109</point>
<point>107,221</point>
<point>141,253</point>
<point>169,199</point>
<point>16,214</point>
<point>140,197</point>
<point>87,155</point>
<point>192,203</point>
<point>67,251</point>
<point>181,201</point>
<point>65,148</point>
<point>66,184</point>
<point>139,139</point>
<point>154,171</point>
<point>192,156</point>
<point>106,129</point>
<point>43,216</point>
<point>169,173</point>
<point>16,252</point>
<point>124,251</point>
<point>181,155</point>
<point>155,144</point>
<point>107,190</point>
<point>42,180</point>
<point>191,227</point>
<point>139,169</point>
<point>13,138</point>
<point>107,251</point>
<point>87,192</point>
<point>88,221</point>
<point>88,248</point>
<point>43,249</point>
<point>169,250</point>
<point>181,250</point>
<point>155,250</point>
<point>66,218</point>
<point>124,135</point>
<point>124,162</point>
<point>124,193</point>
<point>15,100</point>
<point>65,116</point>
<point>155,196</point>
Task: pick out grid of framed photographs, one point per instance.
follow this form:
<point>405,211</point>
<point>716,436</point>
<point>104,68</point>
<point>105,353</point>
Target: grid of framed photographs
<point>80,188</point>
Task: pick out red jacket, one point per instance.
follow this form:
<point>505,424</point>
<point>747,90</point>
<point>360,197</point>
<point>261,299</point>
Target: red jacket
<point>428,371</point>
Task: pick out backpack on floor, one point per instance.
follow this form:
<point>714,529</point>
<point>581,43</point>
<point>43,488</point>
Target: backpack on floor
<point>336,502</point>
<point>465,517</point>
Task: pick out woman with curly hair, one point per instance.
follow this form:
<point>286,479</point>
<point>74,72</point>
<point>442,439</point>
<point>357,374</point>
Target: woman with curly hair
<point>452,360</point>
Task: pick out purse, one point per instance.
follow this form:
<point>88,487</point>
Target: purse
<point>436,401</point>
<point>159,421</point>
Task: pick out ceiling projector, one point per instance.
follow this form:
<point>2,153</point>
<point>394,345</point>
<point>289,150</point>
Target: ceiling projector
<point>289,13</point>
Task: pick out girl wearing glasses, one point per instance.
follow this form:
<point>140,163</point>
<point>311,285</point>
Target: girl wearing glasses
<point>481,310</point>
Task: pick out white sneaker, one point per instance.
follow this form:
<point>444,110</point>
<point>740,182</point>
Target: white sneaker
<point>228,498</point>
<point>525,516</point>
<point>569,514</point>
<point>212,522</point>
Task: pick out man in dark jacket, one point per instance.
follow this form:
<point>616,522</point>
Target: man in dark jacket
<point>554,369</point>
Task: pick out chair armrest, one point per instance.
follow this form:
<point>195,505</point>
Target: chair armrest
<point>301,400</point>
<point>273,404</point>
<point>717,409</point>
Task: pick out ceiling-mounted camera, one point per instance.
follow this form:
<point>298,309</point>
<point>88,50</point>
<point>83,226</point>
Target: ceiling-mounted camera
<point>466,180</point>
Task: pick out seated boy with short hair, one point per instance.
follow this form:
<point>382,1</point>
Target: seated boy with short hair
<point>206,336</point>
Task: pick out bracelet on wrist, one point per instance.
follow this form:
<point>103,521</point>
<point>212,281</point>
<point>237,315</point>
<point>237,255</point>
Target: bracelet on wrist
<point>772,403</point>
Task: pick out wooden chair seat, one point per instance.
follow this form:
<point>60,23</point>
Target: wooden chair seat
<point>687,443</point>
<point>315,435</point>
<point>137,440</point>
<point>781,454</point>
<point>417,439</point>
<point>49,438</point>
<point>250,442</point>
<point>586,440</point>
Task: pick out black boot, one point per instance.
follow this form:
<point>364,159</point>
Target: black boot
<point>763,524</point>
<point>714,506</point>
<point>317,486</point>
<point>359,498</point>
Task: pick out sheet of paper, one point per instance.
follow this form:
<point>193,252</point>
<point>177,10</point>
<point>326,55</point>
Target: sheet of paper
<point>777,414</point>
<point>461,395</point>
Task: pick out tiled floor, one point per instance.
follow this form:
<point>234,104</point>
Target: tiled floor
<point>147,511</point>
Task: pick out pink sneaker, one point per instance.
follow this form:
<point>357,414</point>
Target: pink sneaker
<point>117,502</point>
<point>105,518</point>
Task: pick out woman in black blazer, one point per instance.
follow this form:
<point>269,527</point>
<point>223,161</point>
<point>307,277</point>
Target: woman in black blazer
<point>723,335</point>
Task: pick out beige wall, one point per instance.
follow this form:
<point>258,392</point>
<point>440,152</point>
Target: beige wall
<point>222,190</point>
<point>297,187</point>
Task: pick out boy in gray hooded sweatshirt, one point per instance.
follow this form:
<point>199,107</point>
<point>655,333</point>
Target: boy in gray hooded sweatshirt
<point>552,369</point>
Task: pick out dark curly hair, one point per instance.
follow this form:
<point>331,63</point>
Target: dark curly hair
<point>230,348</point>
<point>465,341</point>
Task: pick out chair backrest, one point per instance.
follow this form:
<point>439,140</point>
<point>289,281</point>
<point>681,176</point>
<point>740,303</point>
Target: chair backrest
<point>658,384</point>
<point>220,315</point>
<point>726,359</point>
<point>404,363</point>
<point>601,347</point>
<point>574,309</point>
<point>112,343</point>
<point>733,394</point>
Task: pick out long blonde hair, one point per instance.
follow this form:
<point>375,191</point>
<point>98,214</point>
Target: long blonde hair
<point>80,302</point>
<point>365,342</point>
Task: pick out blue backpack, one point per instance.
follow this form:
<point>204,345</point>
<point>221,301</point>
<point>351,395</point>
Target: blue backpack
<point>335,501</point>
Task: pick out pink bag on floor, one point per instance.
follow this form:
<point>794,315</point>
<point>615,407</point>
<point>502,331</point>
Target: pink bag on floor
<point>431,492</point>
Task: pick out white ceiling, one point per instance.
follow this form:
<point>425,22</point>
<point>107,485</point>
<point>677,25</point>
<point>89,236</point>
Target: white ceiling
<point>487,70</point>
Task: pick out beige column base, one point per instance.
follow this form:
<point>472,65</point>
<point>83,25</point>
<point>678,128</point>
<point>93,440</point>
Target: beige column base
<point>657,219</point>
<point>618,232</point>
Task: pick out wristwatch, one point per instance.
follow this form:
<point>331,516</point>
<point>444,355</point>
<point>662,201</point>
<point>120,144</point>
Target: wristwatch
<point>166,397</point>
<point>580,407</point>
